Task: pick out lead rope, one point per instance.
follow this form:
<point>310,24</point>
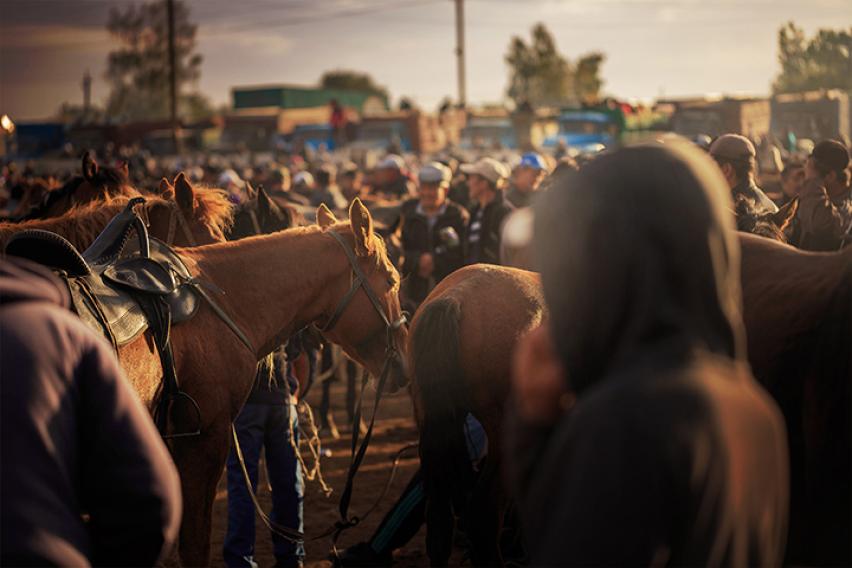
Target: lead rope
<point>313,442</point>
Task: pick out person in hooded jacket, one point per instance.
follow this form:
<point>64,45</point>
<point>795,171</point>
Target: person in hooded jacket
<point>638,435</point>
<point>75,439</point>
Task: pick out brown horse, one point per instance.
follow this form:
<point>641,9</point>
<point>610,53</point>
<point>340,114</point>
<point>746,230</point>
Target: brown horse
<point>190,217</point>
<point>462,339</point>
<point>798,316</point>
<point>263,286</point>
<point>95,183</point>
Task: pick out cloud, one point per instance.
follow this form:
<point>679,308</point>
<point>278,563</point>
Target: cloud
<point>53,36</point>
<point>214,37</point>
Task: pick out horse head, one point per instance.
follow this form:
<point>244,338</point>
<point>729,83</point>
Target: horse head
<point>365,318</point>
<point>261,215</point>
<point>190,216</point>
<point>771,225</point>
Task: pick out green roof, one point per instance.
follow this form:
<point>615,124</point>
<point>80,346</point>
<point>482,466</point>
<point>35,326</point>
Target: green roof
<point>297,97</point>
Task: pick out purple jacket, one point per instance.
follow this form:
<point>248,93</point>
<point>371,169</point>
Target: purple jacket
<point>74,439</point>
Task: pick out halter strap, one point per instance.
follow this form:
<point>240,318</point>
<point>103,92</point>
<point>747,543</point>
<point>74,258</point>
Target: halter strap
<point>177,218</point>
<point>360,281</point>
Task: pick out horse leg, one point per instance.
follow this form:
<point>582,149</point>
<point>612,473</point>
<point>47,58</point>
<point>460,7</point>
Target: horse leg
<point>200,461</point>
<point>326,416</point>
<point>487,505</point>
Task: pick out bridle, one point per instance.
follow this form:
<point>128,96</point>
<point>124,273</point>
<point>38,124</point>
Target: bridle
<point>359,281</point>
<point>177,218</point>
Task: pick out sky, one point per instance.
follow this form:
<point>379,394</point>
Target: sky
<point>653,48</point>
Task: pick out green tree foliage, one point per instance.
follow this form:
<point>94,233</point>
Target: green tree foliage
<point>138,70</point>
<point>587,79</point>
<point>352,80</point>
<point>824,62</point>
<point>541,76</point>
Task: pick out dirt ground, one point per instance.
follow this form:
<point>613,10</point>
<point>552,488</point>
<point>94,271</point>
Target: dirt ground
<point>394,429</point>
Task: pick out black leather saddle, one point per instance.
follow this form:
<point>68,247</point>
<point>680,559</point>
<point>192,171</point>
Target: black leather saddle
<point>121,287</point>
<point>109,278</point>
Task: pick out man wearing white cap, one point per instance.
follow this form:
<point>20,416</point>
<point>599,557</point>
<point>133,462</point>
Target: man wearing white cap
<point>391,181</point>
<point>486,179</point>
<point>432,227</point>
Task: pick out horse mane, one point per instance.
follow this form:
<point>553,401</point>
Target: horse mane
<point>212,207</point>
<point>761,225</point>
<point>80,225</point>
<point>83,223</point>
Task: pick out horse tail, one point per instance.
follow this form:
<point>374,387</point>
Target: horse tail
<point>443,396</point>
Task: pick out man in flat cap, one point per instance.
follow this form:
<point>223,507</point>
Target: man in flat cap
<point>486,179</point>
<point>824,217</point>
<point>735,155</point>
<point>432,228</point>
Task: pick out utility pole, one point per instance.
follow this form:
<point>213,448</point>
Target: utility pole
<point>87,92</point>
<point>460,52</point>
<point>170,12</point>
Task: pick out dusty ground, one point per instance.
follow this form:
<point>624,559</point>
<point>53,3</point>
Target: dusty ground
<point>394,429</point>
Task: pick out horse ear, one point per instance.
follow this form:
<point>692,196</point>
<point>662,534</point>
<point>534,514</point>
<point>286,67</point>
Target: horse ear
<point>325,218</point>
<point>362,227</point>
<point>184,194</point>
<point>264,203</point>
<point>785,214</point>
<point>90,165</point>
<point>164,186</point>
<point>250,192</point>
<point>123,168</point>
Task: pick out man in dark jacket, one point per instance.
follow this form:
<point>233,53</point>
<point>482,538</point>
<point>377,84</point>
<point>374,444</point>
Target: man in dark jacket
<point>486,179</point>
<point>824,217</point>
<point>432,227</point>
<point>671,453</point>
<point>735,156</point>
<point>75,440</point>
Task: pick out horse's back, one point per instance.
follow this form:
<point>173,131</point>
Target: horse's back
<point>786,292</point>
<point>497,305</point>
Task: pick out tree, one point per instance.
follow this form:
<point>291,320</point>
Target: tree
<point>138,71</point>
<point>824,62</point>
<point>587,79</point>
<point>541,76</point>
<point>352,80</point>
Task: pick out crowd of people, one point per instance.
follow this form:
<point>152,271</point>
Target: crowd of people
<point>641,357</point>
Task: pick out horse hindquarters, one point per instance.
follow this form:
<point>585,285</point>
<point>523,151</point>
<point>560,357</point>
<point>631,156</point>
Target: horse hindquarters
<point>443,406</point>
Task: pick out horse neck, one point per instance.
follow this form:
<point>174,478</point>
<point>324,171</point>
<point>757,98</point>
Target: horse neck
<point>272,285</point>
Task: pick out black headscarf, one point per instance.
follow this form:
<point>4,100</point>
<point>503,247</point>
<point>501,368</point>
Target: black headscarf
<point>639,262</point>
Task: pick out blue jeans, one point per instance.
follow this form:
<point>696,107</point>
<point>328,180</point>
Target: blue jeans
<point>264,426</point>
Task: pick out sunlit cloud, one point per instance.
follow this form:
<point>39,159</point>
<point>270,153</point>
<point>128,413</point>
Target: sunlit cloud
<point>51,36</point>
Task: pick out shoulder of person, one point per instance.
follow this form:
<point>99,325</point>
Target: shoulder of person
<point>456,210</point>
<point>409,205</point>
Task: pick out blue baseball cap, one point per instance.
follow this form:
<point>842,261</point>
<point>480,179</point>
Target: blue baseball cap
<point>532,160</point>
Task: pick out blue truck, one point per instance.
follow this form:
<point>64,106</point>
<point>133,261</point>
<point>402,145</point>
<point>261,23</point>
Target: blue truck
<point>585,131</point>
